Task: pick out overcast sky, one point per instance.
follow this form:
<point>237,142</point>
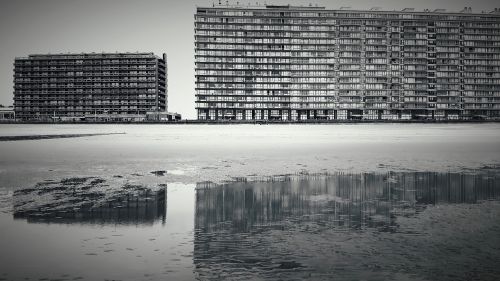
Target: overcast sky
<point>55,26</point>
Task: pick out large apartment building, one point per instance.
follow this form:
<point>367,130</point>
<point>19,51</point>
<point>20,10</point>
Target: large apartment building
<point>90,86</point>
<point>300,63</point>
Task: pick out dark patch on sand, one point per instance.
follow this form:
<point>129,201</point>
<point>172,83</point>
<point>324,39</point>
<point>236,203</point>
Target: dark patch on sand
<point>45,137</point>
<point>159,173</point>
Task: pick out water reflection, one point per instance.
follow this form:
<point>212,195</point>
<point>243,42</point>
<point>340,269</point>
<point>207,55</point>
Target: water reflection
<point>90,200</point>
<point>341,200</point>
<point>243,226</point>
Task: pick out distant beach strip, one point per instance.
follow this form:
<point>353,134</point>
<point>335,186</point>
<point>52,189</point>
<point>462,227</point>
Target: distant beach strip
<point>44,137</point>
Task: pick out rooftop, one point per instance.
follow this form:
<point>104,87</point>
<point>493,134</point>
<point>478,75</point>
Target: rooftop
<point>258,6</point>
<point>87,55</point>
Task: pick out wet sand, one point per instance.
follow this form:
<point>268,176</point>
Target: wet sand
<point>195,153</point>
<point>281,202</point>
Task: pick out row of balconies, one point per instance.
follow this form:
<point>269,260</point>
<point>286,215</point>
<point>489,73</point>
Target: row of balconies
<point>432,96</point>
<point>340,78</point>
<point>352,18</point>
<point>430,64</point>
<point>62,105</point>
<point>94,70</point>
<point>221,78</point>
<point>83,106</point>
<point>84,63</point>
<point>92,56</point>
<point>289,45</point>
<point>37,94</point>
<point>346,106</point>
<point>92,91</point>
<point>83,81</point>
<point>83,98</point>
<point>86,102</point>
<point>353,86</point>
<point>287,80</point>
<point>95,76</point>
<point>291,61</point>
<point>76,90</point>
<point>63,75</point>
<point>273,28</point>
<point>79,65</point>
<point>406,26</point>
<point>205,35</point>
<point>356,99</point>
<point>38,87</point>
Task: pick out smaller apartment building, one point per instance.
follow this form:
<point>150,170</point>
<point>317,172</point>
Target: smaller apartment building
<point>90,86</point>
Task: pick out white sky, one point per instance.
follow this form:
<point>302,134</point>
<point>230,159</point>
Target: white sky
<point>55,26</point>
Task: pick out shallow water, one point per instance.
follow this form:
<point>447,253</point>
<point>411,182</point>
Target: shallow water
<point>350,202</point>
<point>412,226</point>
<point>371,226</point>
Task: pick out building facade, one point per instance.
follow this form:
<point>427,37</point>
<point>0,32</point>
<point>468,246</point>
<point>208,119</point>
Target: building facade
<point>7,114</point>
<point>301,63</point>
<point>90,86</point>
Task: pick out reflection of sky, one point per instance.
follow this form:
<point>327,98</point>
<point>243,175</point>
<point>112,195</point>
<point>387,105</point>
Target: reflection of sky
<point>54,26</point>
<point>103,249</point>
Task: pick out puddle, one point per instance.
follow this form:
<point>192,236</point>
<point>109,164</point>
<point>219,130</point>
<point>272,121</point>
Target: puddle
<point>369,226</point>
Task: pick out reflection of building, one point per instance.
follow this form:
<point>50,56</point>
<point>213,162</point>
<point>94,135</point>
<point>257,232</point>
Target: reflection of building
<point>347,200</point>
<point>86,200</point>
<point>300,63</point>
<point>7,113</point>
<point>242,206</point>
<point>267,229</point>
<point>90,86</point>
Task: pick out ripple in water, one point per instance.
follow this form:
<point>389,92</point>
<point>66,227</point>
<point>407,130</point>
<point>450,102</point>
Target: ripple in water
<point>410,226</point>
<point>394,226</point>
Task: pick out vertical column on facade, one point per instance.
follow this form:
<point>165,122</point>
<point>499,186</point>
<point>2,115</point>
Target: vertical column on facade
<point>401,68</point>
<point>335,70</point>
<point>407,65</point>
<point>463,83</point>
<point>467,71</point>
<point>363,90</point>
<point>326,69</point>
<point>388,113</point>
<point>431,69</point>
<point>157,88</point>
